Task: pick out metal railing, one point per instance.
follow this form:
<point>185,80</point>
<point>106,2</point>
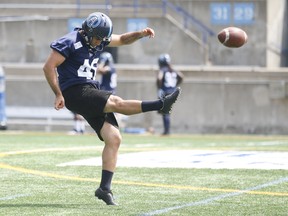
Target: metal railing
<point>136,6</point>
<point>164,6</point>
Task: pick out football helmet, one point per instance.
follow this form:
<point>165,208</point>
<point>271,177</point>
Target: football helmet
<point>98,25</point>
<point>164,59</point>
<point>107,58</point>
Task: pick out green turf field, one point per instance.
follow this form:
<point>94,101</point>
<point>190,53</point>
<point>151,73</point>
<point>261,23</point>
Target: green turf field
<point>33,184</point>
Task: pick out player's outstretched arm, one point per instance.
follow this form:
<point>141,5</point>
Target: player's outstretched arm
<point>131,37</point>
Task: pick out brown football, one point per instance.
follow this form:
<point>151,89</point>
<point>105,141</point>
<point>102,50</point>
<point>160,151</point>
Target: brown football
<point>232,37</point>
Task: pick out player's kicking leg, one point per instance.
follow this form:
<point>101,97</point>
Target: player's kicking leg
<point>130,107</point>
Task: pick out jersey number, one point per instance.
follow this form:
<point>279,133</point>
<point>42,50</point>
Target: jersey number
<point>87,70</point>
<point>170,79</point>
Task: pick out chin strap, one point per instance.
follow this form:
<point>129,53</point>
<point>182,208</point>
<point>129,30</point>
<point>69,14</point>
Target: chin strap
<point>87,40</point>
<point>92,49</point>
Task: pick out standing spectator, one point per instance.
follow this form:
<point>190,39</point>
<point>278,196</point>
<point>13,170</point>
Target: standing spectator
<point>167,81</point>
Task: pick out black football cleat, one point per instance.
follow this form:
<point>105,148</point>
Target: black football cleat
<point>169,100</point>
<point>106,196</point>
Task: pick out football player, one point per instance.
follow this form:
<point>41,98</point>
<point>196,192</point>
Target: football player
<point>70,71</point>
<point>167,81</point>
<point>107,69</point>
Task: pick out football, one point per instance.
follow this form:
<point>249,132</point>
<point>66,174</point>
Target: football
<point>232,37</point>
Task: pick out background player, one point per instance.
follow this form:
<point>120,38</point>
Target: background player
<point>108,81</point>
<point>79,125</point>
<point>70,70</point>
<point>167,81</point>
<point>107,69</point>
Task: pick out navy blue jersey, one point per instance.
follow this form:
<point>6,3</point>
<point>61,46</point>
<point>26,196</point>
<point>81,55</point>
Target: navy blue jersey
<point>80,65</point>
<point>169,80</point>
<point>109,80</point>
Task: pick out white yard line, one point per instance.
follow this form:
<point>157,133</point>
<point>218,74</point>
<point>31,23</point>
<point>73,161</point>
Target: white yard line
<point>13,197</point>
<point>216,198</point>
